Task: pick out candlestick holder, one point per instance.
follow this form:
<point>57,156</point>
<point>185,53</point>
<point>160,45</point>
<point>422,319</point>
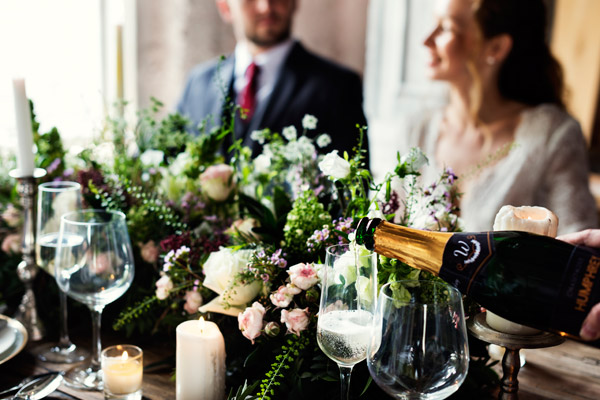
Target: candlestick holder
<point>512,344</point>
<point>27,269</point>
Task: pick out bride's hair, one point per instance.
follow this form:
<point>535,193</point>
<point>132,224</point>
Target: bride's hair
<point>530,74</point>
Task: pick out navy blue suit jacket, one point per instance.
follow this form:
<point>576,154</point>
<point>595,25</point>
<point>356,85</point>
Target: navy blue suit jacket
<point>307,84</point>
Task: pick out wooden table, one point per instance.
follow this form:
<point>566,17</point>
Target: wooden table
<point>570,371</point>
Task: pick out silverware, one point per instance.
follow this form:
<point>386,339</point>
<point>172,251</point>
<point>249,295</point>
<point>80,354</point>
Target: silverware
<point>34,387</point>
<point>40,388</point>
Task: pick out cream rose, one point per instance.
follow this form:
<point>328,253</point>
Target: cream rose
<point>220,271</point>
<point>217,181</point>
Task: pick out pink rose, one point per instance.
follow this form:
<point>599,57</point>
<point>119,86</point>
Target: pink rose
<point>251,321</point>
<point>295,320</point>
<point>282,297</point>
<point>193,301</point>
<point>217,181</point>
<point>149,252</point>
<point>12,243</point>
<point>12,216</point>
<point>303,276</point>
<point>100,264</point>
<point>163,287</point>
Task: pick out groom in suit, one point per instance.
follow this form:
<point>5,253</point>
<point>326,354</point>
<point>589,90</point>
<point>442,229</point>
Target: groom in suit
<point>276,79</point>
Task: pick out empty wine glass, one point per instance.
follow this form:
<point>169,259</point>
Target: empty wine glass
<point>54,200</point>
<point>348,297</point>
<point>94,265</point>
<point>419,347</point>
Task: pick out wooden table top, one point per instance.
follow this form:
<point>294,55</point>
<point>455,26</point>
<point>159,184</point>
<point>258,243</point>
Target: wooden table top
<point>570,371</point>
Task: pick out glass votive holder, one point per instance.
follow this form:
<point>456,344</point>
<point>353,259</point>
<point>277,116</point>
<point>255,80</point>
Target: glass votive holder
<point>122,369</point>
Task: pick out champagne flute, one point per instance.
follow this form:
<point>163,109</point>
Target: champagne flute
<point>94,265</point>
<point>54,200</point>
<point>348,297</point>
<point>419,347</point>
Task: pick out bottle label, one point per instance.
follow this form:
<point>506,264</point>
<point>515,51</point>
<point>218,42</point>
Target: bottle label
<point>581,286</point>
<point>467,254</point>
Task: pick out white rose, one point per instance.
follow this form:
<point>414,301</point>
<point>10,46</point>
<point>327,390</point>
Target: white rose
<point>220,271</point>
<point>152,158</point>
<point>217,181</point>
<point>335,166</point>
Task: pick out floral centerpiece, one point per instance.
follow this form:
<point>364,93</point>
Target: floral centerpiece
<point>242,243</point>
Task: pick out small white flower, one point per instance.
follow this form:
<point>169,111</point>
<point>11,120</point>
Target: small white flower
<point>152,158</point>
<point>335,166</point>
<point>262,163</point>
<point>309,122</point>
<point>290,133</point>
<point>323,140</point>
<point>180,164</point>
<point>259,136</point>
<point>415,159</point>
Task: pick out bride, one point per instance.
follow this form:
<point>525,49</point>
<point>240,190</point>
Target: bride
<point>504,131</point>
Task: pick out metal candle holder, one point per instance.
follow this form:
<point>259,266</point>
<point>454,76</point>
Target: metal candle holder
<point>512,344</point>
<point>27,269</point>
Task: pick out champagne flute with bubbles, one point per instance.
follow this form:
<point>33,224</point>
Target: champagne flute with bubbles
<point>348,297</point>
<point>94,265</point>
<point>54,200</point>
<point>419,347</point>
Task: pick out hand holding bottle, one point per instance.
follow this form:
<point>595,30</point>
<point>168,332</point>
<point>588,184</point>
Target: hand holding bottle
<point>590,329</point>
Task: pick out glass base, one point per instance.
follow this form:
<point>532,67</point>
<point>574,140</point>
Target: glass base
<point>57,354</point>
<point>84,377</point>
<point>137,395</point>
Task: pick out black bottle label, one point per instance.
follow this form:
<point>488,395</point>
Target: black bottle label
<point>580,288</point>
<point>465,255</point>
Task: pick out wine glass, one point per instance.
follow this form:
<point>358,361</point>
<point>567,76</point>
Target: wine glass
<point>348,298</point>
<point>54,200</point>
<point>94,265</point>
<point>419,347</point>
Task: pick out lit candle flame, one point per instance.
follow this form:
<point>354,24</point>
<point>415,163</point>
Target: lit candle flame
<point>202,323</point>
<point>124,356</point>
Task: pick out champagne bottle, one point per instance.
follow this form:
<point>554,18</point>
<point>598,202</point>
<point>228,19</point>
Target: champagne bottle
<point>530,279</point>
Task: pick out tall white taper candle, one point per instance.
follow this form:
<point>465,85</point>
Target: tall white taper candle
<point>25,163</point>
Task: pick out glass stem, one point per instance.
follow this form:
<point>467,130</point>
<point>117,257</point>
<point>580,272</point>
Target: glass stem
<point>64,342</point>
<point>345,373</point>
<point>96,344</point>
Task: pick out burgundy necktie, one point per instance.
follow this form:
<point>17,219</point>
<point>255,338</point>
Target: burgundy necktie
<point>248,95</point>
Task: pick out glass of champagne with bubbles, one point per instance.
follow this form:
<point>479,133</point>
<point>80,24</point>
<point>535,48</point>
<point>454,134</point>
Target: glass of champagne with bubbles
<point>54,200</point>
<point>348,297</point>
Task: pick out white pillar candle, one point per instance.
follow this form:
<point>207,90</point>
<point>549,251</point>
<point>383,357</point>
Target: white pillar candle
<point>122,367</point>
<point>25,163</point>
<point>200,361</point>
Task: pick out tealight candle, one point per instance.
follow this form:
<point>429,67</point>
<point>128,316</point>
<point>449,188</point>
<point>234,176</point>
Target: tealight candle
<point>122,369</point>
<point>200,361</point>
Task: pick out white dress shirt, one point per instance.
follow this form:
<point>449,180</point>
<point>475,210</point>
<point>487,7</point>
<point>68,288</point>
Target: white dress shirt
<point>269,63</point>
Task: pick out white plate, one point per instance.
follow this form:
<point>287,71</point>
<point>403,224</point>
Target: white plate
<point>13,339</point>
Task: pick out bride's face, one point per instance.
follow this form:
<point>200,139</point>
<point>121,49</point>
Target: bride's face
<point>452,43</point>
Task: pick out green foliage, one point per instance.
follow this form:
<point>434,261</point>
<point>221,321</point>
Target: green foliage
<point>295,345</point>
<point>271,223</point>
<point>307,215</point>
